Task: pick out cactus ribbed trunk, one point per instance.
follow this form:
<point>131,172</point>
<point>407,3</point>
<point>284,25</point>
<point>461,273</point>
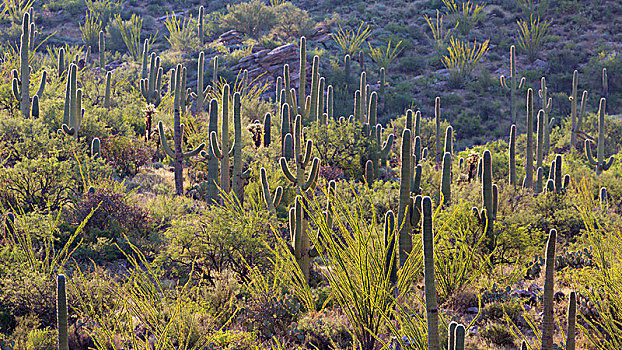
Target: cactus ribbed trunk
<point>572,318</point>
<point>528,183</point>
<point>403,221</point>
<point>540,139</point>
<point>431,305</point>
<point>437,121</point>
<point>61,313</point>
<point>548,318</point>
<point>512,156</point>
<point>446,179</point>
<point>212,161</point>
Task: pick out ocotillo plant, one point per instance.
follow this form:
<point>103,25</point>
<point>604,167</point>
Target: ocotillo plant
<point>515,84</point>
<point>61,313</point>
<point>271,202</point>
<point>528,182</point>
<point>576,119</point>
<point>107,93</point>
<point>548,318</point>
<point>151,84</point>
<point>403,214</point>
<point>556,182</point>
<point>599,162</point>
<point>224,150</point>
<point>239,176</point>
<point>302,160</point>
<point>21,81</point>
<point>546,106</point>
<point>488,214</point>
<point>430,284</point>
<point>202,90</point>
<point>446,179</point>
<point>572,319</point>
<point>73,113</point>
<point>512,156</point>
<point>437,121</point>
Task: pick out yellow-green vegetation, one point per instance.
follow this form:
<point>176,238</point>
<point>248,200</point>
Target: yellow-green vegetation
<point>275,175</point>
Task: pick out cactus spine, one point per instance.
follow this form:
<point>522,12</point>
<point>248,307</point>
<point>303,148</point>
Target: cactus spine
<point>430,287</point>
<point>73,114</point>
<point>546,103</point>
<point>572,318</point>
<point>600,163</point>
<point>151,83</point>
<point>446,179</point>
<point>515,84</point>
<point>21,82</point>
<point>302,161</point>
<point>548,318</point>
<point>61,313</point>
<point>512,156</point>
<point>271,202</point>
<point>528,182</point>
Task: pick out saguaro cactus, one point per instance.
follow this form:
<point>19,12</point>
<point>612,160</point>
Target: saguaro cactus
<point>21,81</point>
<point>528,182</point>
<point>390,267</point>
<point>540,131</point>
<point>572,319</point>
<point>489,199</point>
<point>61,62</point>
<point>287,143</point>
<point>200,31</point>
<point>548,318</point>
<point>446,179</point>
<point>437,121</point>
<point>271,202</point>
<point>459,337</point>
<point>599,162</point>
<point>151,84</point>
<point>224,150</point>
<point>515,84</point>
<point>202,90</point>
<point>95,147</point>
<point>107,93</point>
<point>102,52</point>
<point>267,128</point>
<point>182,95</point>
<point>61,313</point>
<point>73,113</point>
<point>346,69</point>
<point>512,156</point>
<point>302,160</point>
<point>430,284</point>
<point>556,182</point>
<point>403,215</point>
<point>239,176</point>
<point>298,230</point>
<point>602,197</point>
<point>449,142</point>
<point>546,105</point>
<point>576,119</point>
<point>212,161</point>
<point>302,69</point>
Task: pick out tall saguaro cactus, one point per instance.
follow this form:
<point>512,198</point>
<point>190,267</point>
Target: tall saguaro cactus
<point>403,214</point>
<point>556,183</point>
<point>151,83</point>
<point>572,319</point>
<point>200,31</point>
<point>212,161</point>
<point>271,201</point>
<point>239,176</point>
<point>600,163</point>
<point>390,267</point>
<point>202,90</point>
<point>490,200</point>
<point>528,182</point>
<point>576,119</point>
<point>61,313</point>
<point>540,132</point>
<point>431,305</point>
<point>437,121</point>
<point>302,160</point>
<point>73,113</point>
<point>515,84</point>
<point>224,150</point>
<point>548,318</point>
<point>446,179</point>
<point>546,106</point>
<point>512,156</point>
<point>21,80</point>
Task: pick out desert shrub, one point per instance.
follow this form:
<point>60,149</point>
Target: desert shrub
<point>126,154</point>
<point>292,22</point>
<point>251,18</point>
<point>532,36</point>
<point>324,329</point>
<point>224,237</point>
<point>43,183</point>
<point>103,10</point>
<point>462,59</point>
<point>498,334</point>
<point>114,215</point>
<point>181,33</point>
<point>90,30</point>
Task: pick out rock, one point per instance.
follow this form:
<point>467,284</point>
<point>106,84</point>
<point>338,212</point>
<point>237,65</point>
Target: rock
<point>473,310</point>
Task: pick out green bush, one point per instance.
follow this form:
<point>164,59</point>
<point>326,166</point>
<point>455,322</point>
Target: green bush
<point>251,18</point>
